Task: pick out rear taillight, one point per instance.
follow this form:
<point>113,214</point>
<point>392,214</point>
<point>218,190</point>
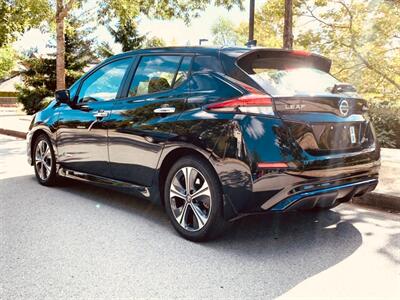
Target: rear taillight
<point>300,53</point>
<point>272,165</point>
<point>250,103</point>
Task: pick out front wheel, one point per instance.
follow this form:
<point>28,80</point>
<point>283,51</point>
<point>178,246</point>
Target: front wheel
<point>44,161</point>
<point>193,199</point>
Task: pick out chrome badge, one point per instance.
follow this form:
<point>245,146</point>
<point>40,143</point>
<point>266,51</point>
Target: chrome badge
<point>294,106</point>
<point>344,107</point>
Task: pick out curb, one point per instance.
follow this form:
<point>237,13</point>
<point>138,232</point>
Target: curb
<point>14,133</point>
<point>383,201</point>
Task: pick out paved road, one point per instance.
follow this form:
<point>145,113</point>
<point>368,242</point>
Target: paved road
<point>80,241</point>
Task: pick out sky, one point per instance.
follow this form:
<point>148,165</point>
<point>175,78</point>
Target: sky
<point>173,32</point>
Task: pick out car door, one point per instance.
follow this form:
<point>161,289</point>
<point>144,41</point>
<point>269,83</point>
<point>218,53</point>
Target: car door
<point>82,127</point>
<point>142,123</point>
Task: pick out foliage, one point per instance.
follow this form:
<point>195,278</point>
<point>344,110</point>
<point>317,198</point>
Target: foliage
<point>125,10</point>
<point>268,24</point>
<point>154,42</point>
<point>104,50</point>
<point>362,38</point>
<point>79,49</point>
<point>127,35</point>
<point>224,33</point>
<point>40,77</point>
<point>385,116</point>
<point>7,61</point>
<point>20,15</point>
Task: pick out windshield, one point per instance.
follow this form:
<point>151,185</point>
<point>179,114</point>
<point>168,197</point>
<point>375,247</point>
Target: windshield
<point>294,81</point>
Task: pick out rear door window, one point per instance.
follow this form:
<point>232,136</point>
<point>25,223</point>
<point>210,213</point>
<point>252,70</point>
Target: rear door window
<point>205,63</point>
<point>154,74</point>
<point>183,72</point>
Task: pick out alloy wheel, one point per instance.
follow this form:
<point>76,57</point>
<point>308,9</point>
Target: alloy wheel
<point>190,198</point>
<point>43,160</point>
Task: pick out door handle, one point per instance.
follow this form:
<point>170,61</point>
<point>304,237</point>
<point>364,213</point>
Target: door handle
<point>100,114</point>
<point>165,110</point>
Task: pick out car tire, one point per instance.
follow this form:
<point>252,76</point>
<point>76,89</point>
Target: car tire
<point>197,215</point>
<point>44,161</point>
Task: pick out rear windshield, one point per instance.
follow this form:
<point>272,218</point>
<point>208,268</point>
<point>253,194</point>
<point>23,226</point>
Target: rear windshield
<point>294,81</point>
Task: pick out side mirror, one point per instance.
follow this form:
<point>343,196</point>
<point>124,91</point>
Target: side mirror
<point>62,96</point>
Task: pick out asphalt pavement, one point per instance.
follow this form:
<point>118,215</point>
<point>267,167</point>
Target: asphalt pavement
<point>85,242</point>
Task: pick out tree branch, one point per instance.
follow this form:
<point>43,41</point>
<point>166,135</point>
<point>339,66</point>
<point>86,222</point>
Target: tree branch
<point>312,15</point>
<point>352,45</point>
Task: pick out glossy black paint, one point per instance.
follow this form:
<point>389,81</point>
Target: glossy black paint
<point>133,146</point>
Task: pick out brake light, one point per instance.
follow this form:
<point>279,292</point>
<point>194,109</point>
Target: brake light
<point>300,52</point>
<point>272,165</point>
<point>250,103</point>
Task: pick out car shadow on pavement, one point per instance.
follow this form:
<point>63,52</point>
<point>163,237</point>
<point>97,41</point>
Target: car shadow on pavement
<point>285,248</point>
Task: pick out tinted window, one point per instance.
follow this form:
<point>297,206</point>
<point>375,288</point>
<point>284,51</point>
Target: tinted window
<point>294,81</point>
<point>183,71</point>
<point>104,83</point>
<point>207,63</point>
<point>154,74</point>
<point>208,88</point>
<point>73,89</point>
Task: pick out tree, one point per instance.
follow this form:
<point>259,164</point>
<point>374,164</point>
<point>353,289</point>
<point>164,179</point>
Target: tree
<point>19,15</point>
<point>62,10</point>
<point>7,61</point>
<point>288,25</point>
<point>127,35</point>
<point>268,24</point>
<point>104,50</point>
<point>40,77</point>
<point>362,37</point>
<point>123,10</point>
<point>126,10</point>
<point>224,32</point>
<point>154,42</point>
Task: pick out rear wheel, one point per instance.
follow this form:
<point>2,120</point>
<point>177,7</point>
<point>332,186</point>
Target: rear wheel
<point>44,160</point>
<point>193,199</point>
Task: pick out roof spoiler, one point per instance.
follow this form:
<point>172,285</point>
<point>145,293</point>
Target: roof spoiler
<point>276,58</point>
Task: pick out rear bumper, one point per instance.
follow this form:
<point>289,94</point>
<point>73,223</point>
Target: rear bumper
<point>329,196</point>
<point>248,143</point>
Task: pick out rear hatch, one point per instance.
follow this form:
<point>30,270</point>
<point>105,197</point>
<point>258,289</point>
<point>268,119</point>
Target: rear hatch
<point>323,115</point>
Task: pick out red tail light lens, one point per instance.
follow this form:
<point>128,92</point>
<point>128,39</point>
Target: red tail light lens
<point>272,165</point>
<point>300,52</point>
<point>250,103</point>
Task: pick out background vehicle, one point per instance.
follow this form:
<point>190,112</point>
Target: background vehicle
<point>212,134</point>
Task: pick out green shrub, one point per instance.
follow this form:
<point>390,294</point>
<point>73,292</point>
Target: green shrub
<point>40,76</point>
<point>385,117</point>
<point>32,98</point>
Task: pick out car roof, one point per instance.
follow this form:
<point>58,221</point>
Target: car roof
<point>204,50</point>
<point>200,50</point>
<point>216,51</point>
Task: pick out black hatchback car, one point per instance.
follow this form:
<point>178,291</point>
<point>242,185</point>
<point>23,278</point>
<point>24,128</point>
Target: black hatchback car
<point>212,134</point>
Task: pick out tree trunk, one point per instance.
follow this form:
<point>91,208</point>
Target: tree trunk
<point>288,27</point>
<point>60,56</point>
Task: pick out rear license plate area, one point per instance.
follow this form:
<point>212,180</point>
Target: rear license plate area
<point>336,136</point>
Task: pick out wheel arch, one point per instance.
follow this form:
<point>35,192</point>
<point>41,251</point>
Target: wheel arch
<point>35,135</point>
<point>173,156</point>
